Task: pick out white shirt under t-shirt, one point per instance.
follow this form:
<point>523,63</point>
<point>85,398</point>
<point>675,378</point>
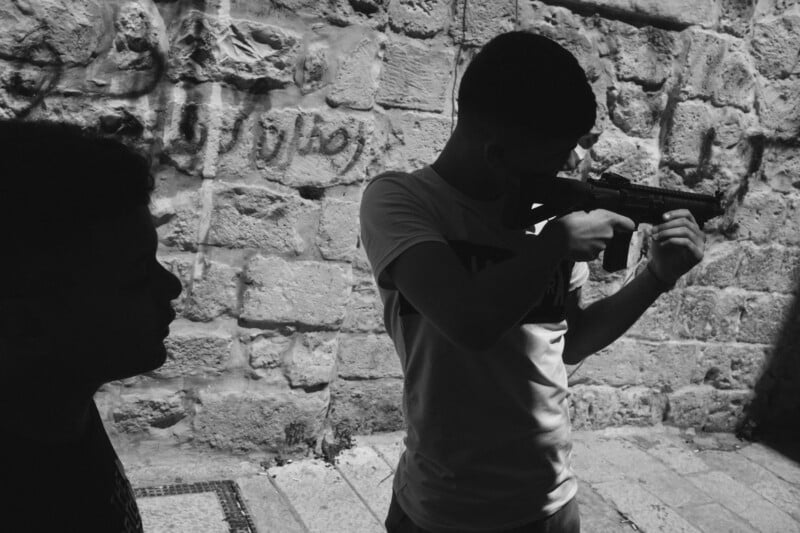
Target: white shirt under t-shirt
<point>488,439</point>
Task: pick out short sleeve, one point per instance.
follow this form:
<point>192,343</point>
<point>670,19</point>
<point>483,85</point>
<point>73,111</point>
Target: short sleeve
<point>393,219</point>
<point>580,274</point>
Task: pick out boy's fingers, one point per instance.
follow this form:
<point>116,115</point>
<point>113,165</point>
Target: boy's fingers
<point>679,213</point>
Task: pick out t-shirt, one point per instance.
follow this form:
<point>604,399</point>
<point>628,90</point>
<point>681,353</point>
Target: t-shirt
<point>488,433</point>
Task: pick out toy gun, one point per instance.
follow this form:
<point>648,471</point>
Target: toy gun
<point>642,204</point>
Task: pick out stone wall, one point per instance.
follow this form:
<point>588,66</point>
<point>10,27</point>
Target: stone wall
<point>267,117</point>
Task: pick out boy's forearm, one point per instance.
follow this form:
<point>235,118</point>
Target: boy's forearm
<point>604,321</point>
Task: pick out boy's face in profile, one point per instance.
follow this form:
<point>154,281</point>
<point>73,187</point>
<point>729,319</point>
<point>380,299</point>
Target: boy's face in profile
<point>117,308</point>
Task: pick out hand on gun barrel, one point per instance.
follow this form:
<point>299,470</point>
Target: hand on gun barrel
<point>642,204</point>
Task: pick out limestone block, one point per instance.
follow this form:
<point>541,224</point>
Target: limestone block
<point>181,266</point>
<point>189,129</point>
<point>781,168</point>
<point>775,44</point>
<point>789,232</point>
<point>311,360</point>
<point>367,406</point>
<point>259,420</point>
<point>194,349</point>
<point>68,32</point>
<point>484,20</point>
<point>599,406</point>
<point>688,133</point>
<point>249,55</point>
<point>269,351</point>
<point>642,55</point>
<point>731,365</point>
<point>415,76</point>
<point>338,230</point>
<point>357,78</point>
<point>705,407</point>
<point>315,147</point>
<point>636,159</point>
<point>139,31</point>
<point>736,16</point>
<point>315,72</point>
<point>421,19</point>
<point>764,316</point>
<point>678,13</point>
<point>310,293</point>
<point>364,310</point>
<point>151,408</point>
<point>779,107</point>
<point>772,268</point>
<point>214,293</point>
<point>634,110</point>
<point>416,138</point>
<point>178,219</point>
<point>629,362</point>
<point>760,216</point>
<point>369,13</point>
<point>259,217</point>
<point>716,69</point>
<point>368,356</point>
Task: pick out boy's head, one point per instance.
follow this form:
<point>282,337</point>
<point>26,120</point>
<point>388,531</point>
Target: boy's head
<point>79,274</point>
<point>523,90</point>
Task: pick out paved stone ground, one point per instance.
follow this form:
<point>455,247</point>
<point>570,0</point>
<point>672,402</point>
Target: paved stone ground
<point>631,479</point>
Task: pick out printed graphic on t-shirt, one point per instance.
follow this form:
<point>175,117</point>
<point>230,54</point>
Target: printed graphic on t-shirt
<point>476,257</point>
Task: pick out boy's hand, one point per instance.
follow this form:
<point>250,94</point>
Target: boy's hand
<point>587,234</point>
<point>677,245</point>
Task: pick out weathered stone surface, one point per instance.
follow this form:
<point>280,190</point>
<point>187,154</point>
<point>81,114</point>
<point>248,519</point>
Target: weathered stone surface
<point>303,292</point>
<point>368,357</point>
<point>214,293</point>
<point>484,20</point>
<point>736,16</point>
<point>338,230</point>
<point>416,138</point>
<point>761,215</point>
<point>642,55</point>
<point>628,362</point>
<point>775,44</point>
<point>315,70</point>
<point>779,107</point>
<point>192,114</point>
<point>789,232</point>
<point>688,134</point>
<point>773,268</point>
<point>731,366</point>
<point>357,78</point>
<point>763,316</point>
<point>257,420</point>
<point>781,168</point>
<point>634,110</point>
<point>259,217</point>
<point>599,406</point>
<point>315,147</point>
<point>151,408</point>
<point>249,55</point>
<point>415,76</point>
<point>178,219</point>
<point>705,407</point>
<point>140,32</point>
<point>717,70</point>
<point>418,18</point>
<point>195,350</point>
<point>269,351</point>
<point>364,310</point>
<point>636,159</point>
<point>678,13</point>
<point>367,406</point>
<point>311,361</point>
<point>181,266</point>
<point>54,31</point>
<point>369,13</point>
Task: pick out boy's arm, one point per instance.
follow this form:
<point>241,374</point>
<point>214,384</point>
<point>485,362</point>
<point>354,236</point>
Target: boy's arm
<point>677,246</point>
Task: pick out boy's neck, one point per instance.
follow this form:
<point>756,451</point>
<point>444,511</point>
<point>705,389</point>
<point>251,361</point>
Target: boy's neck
<point>461,164</point>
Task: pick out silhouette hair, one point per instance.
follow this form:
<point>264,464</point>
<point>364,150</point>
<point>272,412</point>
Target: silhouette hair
<point>56,177</point>
<point>529,83</point>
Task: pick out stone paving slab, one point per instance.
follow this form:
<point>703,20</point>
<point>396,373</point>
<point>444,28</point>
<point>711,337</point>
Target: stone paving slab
<point>630,479</point>
<point>198,513</point>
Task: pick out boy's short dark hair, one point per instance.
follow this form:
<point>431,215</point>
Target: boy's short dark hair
<point>527,82</point>
<point>55,178</point>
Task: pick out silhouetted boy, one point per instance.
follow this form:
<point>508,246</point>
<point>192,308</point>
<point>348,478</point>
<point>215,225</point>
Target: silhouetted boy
<point>83,301</point>
<point>479,309</point>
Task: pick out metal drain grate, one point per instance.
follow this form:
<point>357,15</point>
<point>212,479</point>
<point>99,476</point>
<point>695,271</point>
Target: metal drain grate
<point>227,493</point>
